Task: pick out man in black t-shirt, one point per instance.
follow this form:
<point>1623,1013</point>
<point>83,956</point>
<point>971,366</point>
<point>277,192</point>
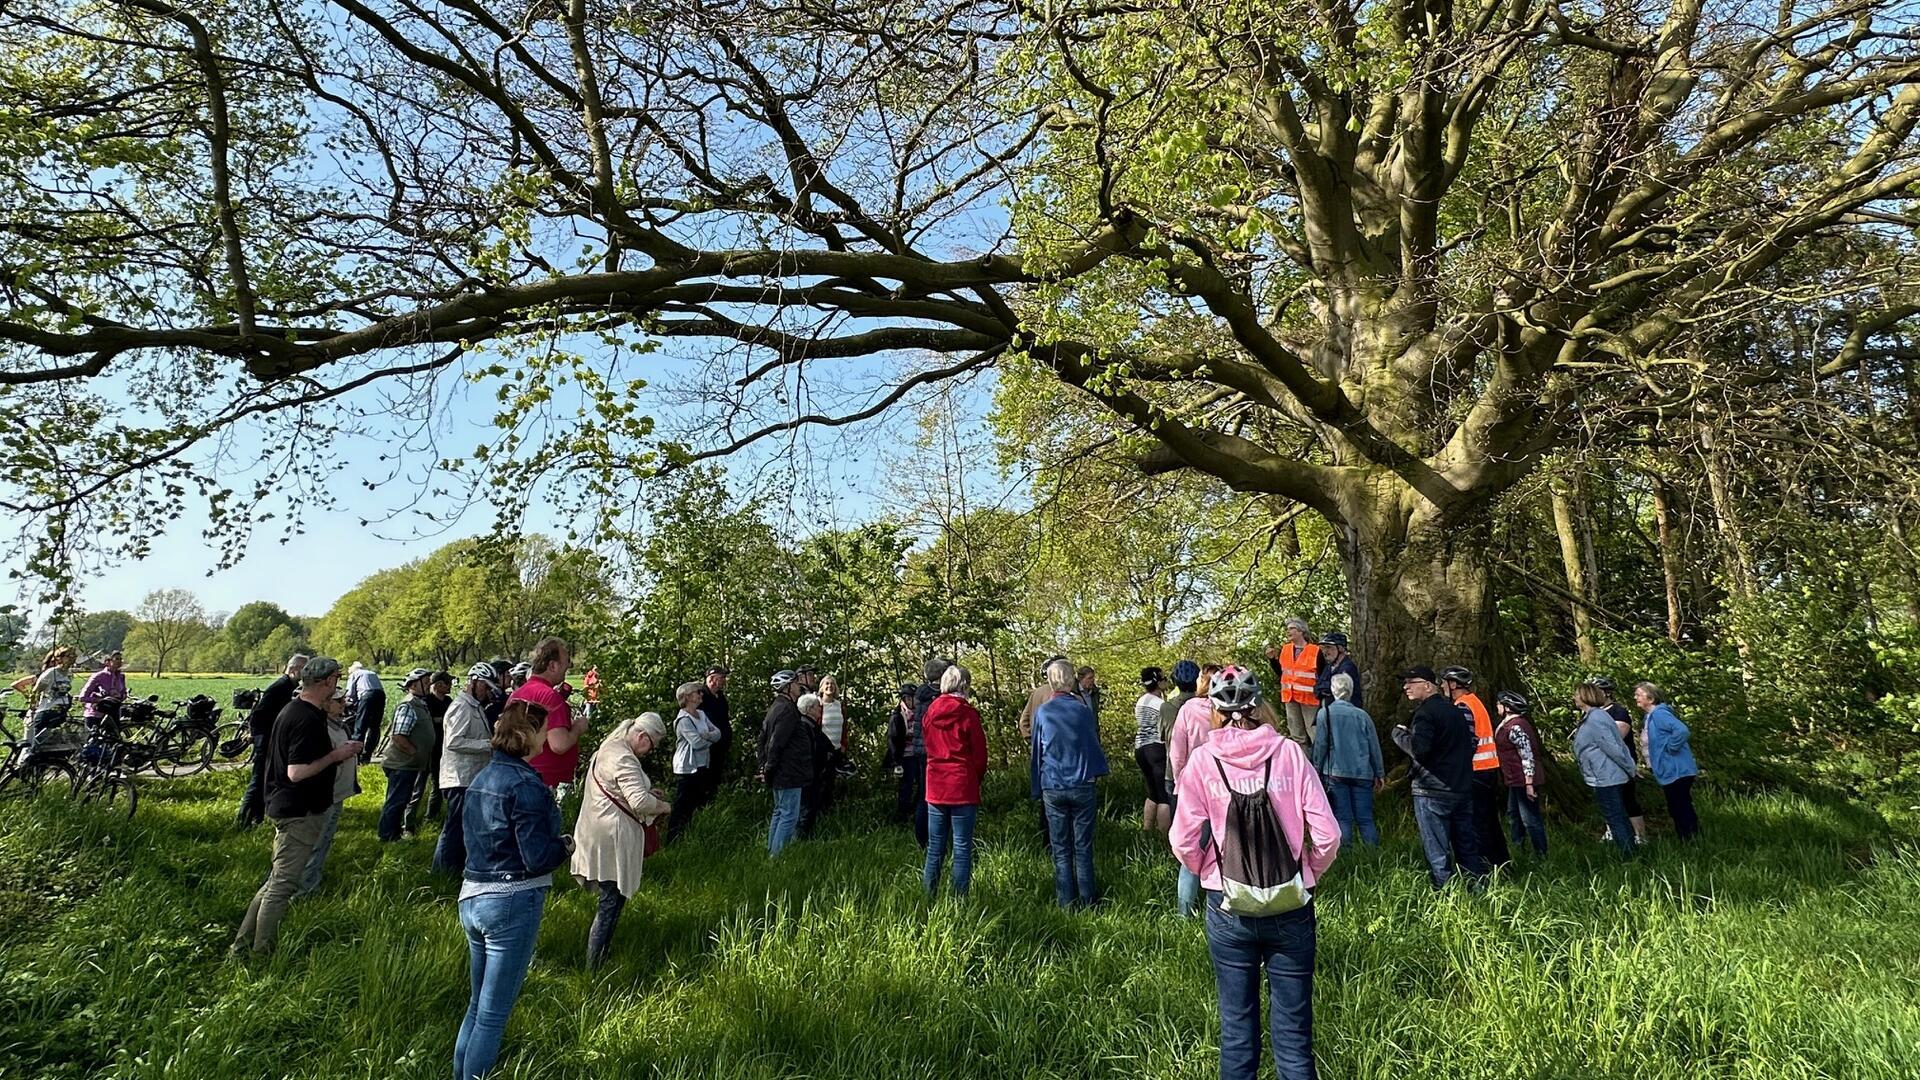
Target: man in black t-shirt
<point>301,760</point>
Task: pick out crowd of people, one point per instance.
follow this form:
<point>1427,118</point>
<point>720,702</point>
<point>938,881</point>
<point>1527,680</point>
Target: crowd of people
<point>1256,791</point>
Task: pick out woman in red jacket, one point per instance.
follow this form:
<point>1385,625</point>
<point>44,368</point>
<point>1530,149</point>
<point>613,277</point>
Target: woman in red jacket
<point>956,762</point>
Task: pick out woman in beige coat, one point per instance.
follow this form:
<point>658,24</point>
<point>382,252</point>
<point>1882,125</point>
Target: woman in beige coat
<point>609,839</point>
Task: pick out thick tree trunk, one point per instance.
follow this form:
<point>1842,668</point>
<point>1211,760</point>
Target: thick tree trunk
<point>1422,593</point>
<point>1420,596</point>
<point>1574,561</point>
<point>1669,557</point>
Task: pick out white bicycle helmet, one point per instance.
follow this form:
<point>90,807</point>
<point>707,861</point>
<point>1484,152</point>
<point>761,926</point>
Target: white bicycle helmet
<point>1233,690</point>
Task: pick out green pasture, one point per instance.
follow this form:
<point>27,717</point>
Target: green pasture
<point>1786,945</point>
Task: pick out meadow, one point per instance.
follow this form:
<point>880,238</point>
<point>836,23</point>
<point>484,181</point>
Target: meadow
<point>1785,945</point>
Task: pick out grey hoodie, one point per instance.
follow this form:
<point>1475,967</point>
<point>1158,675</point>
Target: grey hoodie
<point>1601,752</point>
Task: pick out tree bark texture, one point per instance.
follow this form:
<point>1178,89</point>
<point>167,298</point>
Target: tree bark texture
<point>1574,561</point>
<point>1670,557</point>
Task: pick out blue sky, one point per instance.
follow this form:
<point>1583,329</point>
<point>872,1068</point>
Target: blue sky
<point>848,476</point>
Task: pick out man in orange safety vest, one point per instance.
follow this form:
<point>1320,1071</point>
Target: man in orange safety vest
<point>1489,790</point>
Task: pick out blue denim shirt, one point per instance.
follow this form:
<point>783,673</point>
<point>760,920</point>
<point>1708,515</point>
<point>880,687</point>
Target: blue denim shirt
<point>1066,743</point>
<point>512,824</point>
<point>1347,745</point>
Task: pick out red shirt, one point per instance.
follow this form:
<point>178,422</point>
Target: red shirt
<point>956,752</point>
<point>553,768</point>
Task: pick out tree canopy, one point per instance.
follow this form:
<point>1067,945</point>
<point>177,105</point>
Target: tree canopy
<point>1377,258</point>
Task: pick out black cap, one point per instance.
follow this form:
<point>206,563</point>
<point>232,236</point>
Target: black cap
<point>1420,671</point>
<point>1334,637</point>
<point>717,670</point>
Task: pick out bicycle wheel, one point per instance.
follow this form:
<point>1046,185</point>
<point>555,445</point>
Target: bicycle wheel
<point>114,792</point>
<point>186,753</point>
<point>234,741</point>
<point>37,776</point>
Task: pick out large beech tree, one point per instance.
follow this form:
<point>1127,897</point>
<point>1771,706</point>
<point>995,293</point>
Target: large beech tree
<point>1376,258</point>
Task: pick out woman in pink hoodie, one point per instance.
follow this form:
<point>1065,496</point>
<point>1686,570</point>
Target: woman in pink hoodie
<point>1239,754</point>
<point>1189,732</point>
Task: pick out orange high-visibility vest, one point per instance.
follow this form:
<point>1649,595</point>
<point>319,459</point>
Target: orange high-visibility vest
<point>1299,674</point>
<point>1484,755</point>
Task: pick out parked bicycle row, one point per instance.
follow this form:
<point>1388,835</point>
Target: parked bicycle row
<point>115,739</point>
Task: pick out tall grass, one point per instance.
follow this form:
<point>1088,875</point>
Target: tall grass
<point>1785,945</point>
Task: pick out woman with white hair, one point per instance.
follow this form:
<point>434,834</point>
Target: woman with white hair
<point>956,763</point>
<point>1066,743</point>
<point>816,798</point>
<point>610,837</point>
<point>1347,755</point>
<point>694,737</point>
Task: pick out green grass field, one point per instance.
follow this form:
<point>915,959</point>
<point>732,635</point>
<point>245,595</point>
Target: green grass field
<point>1786,945</point>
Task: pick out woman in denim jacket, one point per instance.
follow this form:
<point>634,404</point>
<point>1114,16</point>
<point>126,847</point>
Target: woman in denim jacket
<point>1605,764</point>
<point>514,844</point>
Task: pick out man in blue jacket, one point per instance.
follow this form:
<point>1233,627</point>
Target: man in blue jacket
<point>1066,746</point>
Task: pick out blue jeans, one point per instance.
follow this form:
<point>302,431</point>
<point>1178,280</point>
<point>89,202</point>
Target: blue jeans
<point>1353,808</point>
<point>786,818</point>
<point>1188,891</point>
<point>393,811</point>
<point>955,823</point>
<point>1446,831</point>
<point>450,851</point>
<point>501,931</point>
<point>1613,810</point>
<point>1070,832</point>
<point>1241,947</point>
<point>1524,820</point>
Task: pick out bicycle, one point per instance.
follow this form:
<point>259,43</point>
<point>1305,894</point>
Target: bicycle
<point>184,739</point>
<point>194,738</point>
<point>27,771</point>
<point>106,767</point>
<point>236,738</point>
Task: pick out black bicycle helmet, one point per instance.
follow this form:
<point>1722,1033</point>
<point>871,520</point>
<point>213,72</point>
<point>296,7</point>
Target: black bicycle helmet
<point>1151,677</point>
<point>1457,675</point>
<point>1601,682</point>
<point>1513,702</point>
